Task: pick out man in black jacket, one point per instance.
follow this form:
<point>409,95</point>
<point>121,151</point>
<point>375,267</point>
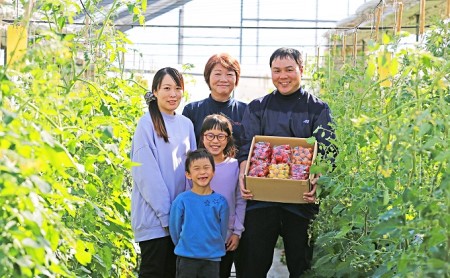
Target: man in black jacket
<point>289,111</point>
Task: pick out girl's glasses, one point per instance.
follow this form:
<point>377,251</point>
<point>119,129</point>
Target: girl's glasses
<point>220,137</point>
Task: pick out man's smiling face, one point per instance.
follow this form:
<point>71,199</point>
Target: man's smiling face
<point>286,75</point>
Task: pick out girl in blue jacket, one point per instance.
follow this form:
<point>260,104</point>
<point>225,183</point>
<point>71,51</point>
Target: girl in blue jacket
<point>160,143</point>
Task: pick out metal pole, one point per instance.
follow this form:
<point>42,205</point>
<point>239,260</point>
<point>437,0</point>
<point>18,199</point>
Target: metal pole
<point>317,18</point>
<point>257,33</point>
<point>240,32</point>
<point>180,35</point>
<point>417,27</point>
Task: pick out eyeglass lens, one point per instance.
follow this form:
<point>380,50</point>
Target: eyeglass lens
<point>219,137</point>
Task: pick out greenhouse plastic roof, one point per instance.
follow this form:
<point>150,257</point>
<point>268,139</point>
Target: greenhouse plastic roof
<point>124,20</point>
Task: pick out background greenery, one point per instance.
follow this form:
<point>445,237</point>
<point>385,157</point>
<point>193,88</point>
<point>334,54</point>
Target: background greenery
<point>68,111</point>
<point>385,207</point>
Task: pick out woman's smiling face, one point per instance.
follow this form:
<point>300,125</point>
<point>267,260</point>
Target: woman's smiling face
<point>222,82</point>
<point>168,95</point>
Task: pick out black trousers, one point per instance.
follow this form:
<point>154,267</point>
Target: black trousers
<point>197,268</point>
<point>262,228</point>
<point>157,258</point>
<point>226,264</point>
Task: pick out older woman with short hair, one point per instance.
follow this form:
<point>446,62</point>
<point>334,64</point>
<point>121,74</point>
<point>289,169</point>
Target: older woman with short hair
<point>222,72</point>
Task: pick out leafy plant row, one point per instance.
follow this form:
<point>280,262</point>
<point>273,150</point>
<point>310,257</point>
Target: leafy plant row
<point>68,111</point>
<point>385,207</point>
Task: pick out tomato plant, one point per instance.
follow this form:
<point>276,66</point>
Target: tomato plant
<point>384,208</point>
<point>68,111</point>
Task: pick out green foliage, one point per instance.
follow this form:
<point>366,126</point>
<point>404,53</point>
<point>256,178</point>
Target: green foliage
<point>67,113</point>
<point>385,208</point>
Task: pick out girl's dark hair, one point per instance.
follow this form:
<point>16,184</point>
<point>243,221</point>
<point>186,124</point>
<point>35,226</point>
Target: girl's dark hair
<point>157,119</point>
<point>284,52</point>
<point>198,154</point>
<point>220,122</point>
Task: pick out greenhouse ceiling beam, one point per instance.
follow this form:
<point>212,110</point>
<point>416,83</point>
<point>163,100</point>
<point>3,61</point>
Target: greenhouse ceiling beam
<point>290,20</point>
<point>124,20</point>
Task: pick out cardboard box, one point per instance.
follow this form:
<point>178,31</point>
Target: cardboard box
<point>278,190</point>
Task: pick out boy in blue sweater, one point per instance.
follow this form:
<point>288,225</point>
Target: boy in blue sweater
<point>198,221</point>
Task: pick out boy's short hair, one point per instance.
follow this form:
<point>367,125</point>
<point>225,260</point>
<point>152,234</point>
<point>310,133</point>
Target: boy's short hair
<point>198,154</point>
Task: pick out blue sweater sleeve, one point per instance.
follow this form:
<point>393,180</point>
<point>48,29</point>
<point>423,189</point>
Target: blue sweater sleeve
<point>176,220</point>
